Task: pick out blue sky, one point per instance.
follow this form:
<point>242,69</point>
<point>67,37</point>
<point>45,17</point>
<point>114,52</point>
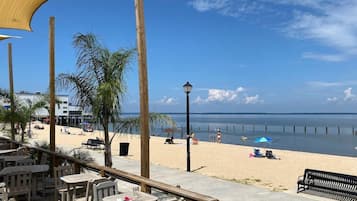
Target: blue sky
<point>239,55</point>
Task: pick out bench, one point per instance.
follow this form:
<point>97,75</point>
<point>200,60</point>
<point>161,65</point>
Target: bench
<point>93,143</point>
<point>328,184</point>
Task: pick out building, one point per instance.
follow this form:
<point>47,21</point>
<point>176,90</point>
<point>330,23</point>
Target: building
<point>66,113</point>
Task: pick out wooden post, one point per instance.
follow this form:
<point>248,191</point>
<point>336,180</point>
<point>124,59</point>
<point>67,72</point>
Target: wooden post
<point>266,128</point>
<point>294,129</point>
<point>12,102</point>
<point>52,90</point>
<point>305,129</point>
<point>315,130</point>
<point>144,101</point>
<point>326,130</point>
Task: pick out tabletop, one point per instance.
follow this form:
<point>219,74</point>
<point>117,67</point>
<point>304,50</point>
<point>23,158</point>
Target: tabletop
<point>141,197</point>
<point>26,168</point>
<point>80,178</point>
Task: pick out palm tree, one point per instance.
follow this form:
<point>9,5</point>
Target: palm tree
<point>99,82</point>
<point>23,113</point>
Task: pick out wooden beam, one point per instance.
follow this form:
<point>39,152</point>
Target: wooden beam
<point>122,175</point>
<point>52,84</point>
<point>12,102</point>
<point>144,102</point>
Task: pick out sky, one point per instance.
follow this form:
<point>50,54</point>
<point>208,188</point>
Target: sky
<point>239,55</point>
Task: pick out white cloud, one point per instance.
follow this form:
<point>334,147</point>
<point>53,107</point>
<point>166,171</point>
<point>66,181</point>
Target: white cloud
<point>333,23</point>
<point>324,57</point>
<point>252,99</point>
<point>332,99</point>
<point>206,5</point>
<point>200,100</point>
<point>167,101</point>
<point>228,96</point>
<point>349,96</point>
<point>221,95</point>
<point>331,84</point>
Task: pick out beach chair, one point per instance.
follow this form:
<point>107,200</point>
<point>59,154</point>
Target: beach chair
<point>103,190</point>
<point>257,153</point>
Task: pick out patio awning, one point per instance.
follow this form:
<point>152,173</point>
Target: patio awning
<point>17,14</point>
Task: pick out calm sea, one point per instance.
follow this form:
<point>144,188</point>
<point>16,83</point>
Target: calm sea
<point>317,133</point>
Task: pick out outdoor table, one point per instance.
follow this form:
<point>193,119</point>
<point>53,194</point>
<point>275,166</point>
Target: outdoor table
<point>140,197</point>
<point>28,168</point>
<point>76,179</point>
<point>37,170</point>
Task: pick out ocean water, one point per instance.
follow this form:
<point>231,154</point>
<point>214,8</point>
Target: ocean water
<point>316,133</point>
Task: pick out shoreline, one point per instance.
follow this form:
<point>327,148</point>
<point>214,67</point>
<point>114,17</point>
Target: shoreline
<point>226,161</point>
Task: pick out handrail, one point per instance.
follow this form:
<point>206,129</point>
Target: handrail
<point>124,175</point>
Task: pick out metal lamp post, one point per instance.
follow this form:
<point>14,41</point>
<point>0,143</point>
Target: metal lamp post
<point>187,89</point>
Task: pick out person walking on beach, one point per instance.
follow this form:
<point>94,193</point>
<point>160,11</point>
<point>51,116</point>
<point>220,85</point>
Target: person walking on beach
<point>219,136</point>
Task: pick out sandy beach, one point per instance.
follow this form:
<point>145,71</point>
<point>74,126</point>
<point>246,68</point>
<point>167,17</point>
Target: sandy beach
<point>230,162</point>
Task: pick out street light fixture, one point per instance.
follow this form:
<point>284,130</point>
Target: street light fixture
<point>187,89</point>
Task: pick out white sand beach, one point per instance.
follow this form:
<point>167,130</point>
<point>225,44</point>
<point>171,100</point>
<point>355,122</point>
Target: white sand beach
<point>231,162</point>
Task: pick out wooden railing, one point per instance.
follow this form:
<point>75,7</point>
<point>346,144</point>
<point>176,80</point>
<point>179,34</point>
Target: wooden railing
<point>119,174</point>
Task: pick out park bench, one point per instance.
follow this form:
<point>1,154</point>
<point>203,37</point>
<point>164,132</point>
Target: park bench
<point>328,184</point>
<point>93,143</point>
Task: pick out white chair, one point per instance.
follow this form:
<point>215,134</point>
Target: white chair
<point>103,190</point>
<point>89,190</point>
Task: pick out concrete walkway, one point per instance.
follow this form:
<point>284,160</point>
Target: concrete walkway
<point>217,188</point>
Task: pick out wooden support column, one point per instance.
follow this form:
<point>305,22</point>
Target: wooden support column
<point>143,85</point>
<point>52,88</point>
<point>11,82</point>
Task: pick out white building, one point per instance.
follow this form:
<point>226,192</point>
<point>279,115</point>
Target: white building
<point>66,114</point>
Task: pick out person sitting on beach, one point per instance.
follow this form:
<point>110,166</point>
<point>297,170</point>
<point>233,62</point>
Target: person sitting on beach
<point>194,139</point>
<point>257,153</point>
<point>269,154</point>
<point>169,140</point>
<point>219,136</point>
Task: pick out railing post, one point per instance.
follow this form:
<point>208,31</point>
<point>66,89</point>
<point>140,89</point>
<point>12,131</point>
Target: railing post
<point>338,130</point>
<point>353,131</point>
<point>77,168</point>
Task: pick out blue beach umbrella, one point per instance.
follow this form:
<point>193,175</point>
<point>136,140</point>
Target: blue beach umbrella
<point>263,140</point>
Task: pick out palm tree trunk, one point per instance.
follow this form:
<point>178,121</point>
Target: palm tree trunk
<point>23,134</point>
<point>108,150</point>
